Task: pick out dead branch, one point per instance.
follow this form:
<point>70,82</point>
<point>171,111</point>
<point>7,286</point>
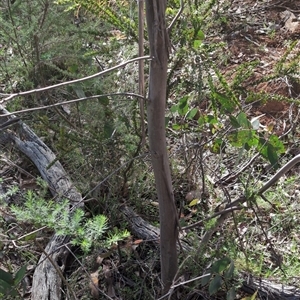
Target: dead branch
<point>47,282</point>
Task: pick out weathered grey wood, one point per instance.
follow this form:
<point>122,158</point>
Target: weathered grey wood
<point>47,282</point>
<point>139,227</point>
<point>270,290</point>
<point>145,231</point>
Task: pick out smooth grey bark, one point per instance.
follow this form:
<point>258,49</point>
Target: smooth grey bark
<point>159,44</point>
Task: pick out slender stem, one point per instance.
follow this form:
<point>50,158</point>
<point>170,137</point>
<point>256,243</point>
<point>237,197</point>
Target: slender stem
<point>141,68</point>
<point>280,173</point>
<point>51,87</point>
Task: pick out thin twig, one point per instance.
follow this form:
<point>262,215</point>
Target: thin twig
<point>51,87</point>
<point>280,173</point>
<point>182,283</point>
<point>200,223</point>
<point>87,273</point>
<point>177,16</point>
<point>69,102</point>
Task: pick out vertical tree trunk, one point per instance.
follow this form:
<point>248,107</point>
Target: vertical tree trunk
<point>159,43</point>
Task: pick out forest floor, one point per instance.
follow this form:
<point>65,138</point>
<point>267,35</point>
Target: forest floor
<point>263,31</point>
<point>255,31</point>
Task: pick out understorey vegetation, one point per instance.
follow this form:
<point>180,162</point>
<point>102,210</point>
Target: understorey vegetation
<point>206,139</point>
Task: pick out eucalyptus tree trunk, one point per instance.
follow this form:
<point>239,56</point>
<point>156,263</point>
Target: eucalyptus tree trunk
<point>159,45</point>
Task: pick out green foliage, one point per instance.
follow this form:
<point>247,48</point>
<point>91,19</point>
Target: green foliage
<point>246,134</point>
<point>219,274</point>
<point>42,45</point>
<point>10,192</point>
<point>9,283</point>
<point>84,232</point>
<point>116,13</point>
<point>289,62</point>
<point>45,45</point>
<point>203,78</point>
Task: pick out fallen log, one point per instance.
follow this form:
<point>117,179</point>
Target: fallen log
<point>267,289</point>
<point>47,278</point>
<point>139,227</point>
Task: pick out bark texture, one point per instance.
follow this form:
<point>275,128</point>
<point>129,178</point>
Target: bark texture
<point>159,44</point>
<point>47,278</point>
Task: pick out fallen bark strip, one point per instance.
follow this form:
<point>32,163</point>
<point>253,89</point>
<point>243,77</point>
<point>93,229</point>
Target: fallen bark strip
<point>47,282</point>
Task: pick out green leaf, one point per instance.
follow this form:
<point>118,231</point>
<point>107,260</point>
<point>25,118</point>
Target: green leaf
<point>202,120</point>
<point>194,202</point>
<point>183,106</point>
<point>231,294</point>
<point>270,149</point>
<point>200,35</point>
<point>192,113</point>
<point>215,285</point>
<point>229,272</point>
<point>79,91</point>
<point>30,237</point>
<point>73,68</point>
<point>242,137</point>
<point>197,44</point>
<point>227,104</point>
<point>272,156</point>
<point>176,126</point>
<point>218,146</point>
<point>252,141</point>
<point>20,274</point>
<point>220,265</point>
<point>234,122</point>
<point>211,119</point>
<point>263,147</point>
<point>243,121</point>
<point>7,289</point>
<point>174,108</point>
<point>104,100</point>
<point>6,277</point>
<point>205,280</point>
<point>277,144</point>
<point>4,287</point>
<point>108,129</point>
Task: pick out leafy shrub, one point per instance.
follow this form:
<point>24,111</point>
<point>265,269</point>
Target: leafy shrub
<point>84,232</point>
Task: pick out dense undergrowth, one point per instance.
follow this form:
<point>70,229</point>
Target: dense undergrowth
<point>232,122</point>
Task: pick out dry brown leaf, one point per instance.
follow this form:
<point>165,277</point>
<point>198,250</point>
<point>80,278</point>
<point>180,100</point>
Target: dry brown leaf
<point>109,281</point>
<point>94,285</point>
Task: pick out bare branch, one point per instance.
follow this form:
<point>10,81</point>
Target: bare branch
<point>177,16</point>
<point>69,102</point>
<point>280,173</point>
<point>73,81</point>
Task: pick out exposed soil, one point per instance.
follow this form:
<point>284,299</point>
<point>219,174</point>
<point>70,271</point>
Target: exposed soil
<point>263,31</point>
